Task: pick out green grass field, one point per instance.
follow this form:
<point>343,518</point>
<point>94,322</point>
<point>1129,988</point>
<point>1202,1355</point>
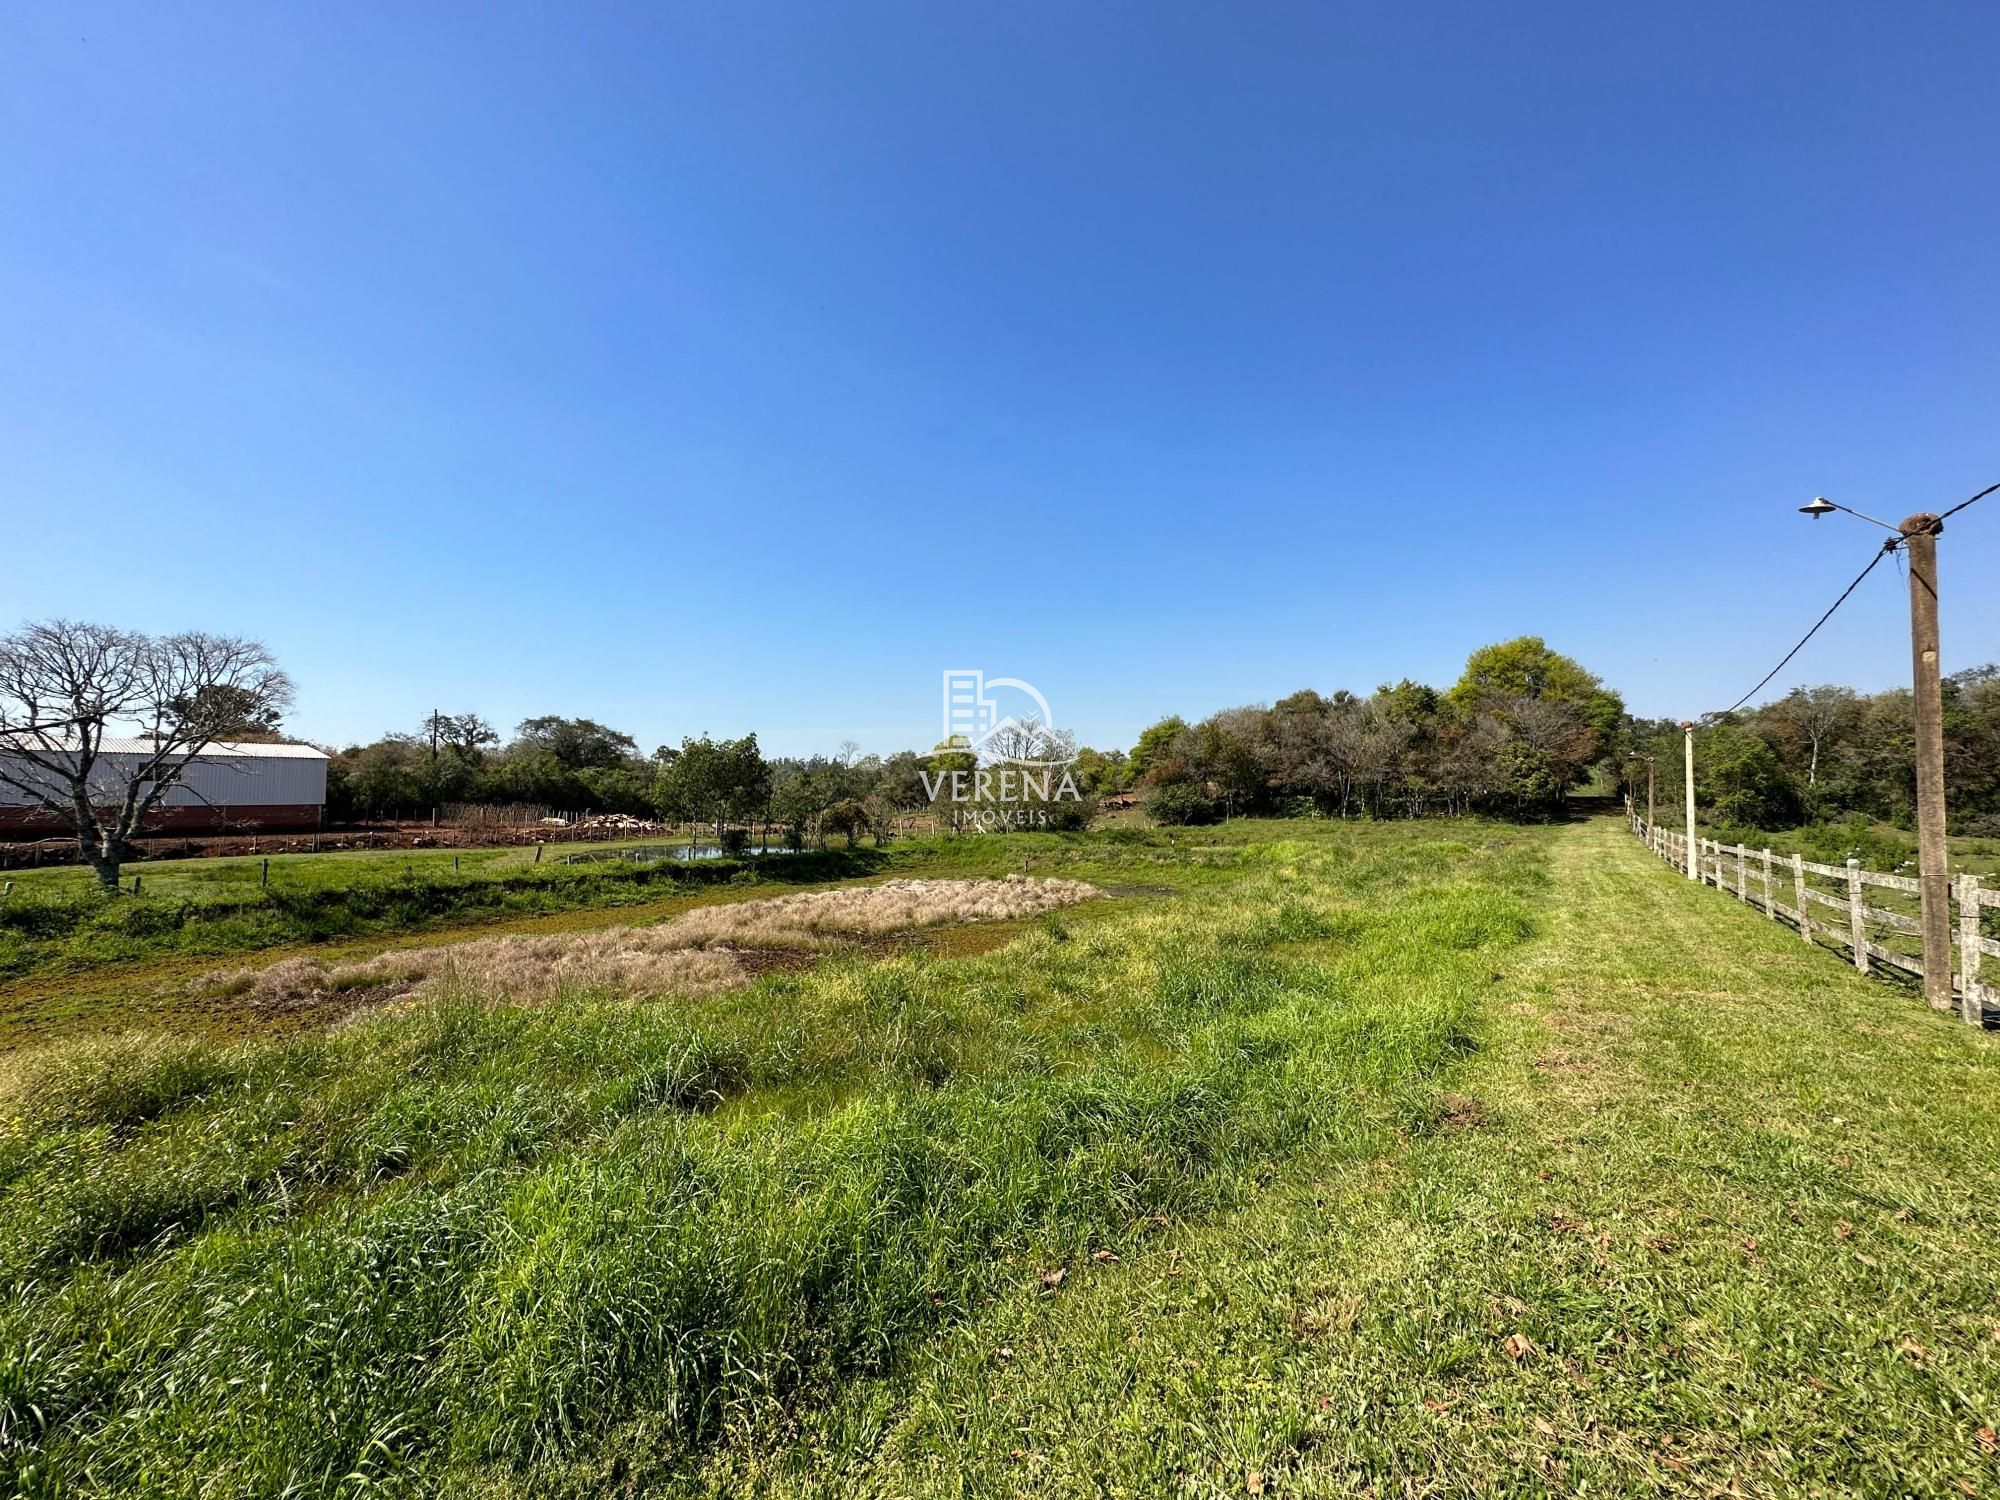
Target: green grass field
<point>1410,1159</point>
<point>56,922</point>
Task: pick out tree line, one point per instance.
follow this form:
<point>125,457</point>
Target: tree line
<point>1513,736</point>
<point>1521,728</point>
<point>1824,754</point>
<point>1517,732</point>
<point>578,766</point>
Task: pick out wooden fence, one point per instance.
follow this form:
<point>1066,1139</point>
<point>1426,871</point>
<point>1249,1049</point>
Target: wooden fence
<point>1867,934</point>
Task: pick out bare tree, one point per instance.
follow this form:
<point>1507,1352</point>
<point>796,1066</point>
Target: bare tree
<point>1029,743</point>
<point>67,686</point>
<point>1554,730</point>
<point>1816,715</point>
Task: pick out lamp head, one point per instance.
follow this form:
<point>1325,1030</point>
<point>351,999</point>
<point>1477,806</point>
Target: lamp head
<point>1821,506</point>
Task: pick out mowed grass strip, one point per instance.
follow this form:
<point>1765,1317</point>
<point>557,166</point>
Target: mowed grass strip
<point>596,1242</point>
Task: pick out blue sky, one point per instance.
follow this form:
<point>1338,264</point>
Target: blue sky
<point>729,366</point>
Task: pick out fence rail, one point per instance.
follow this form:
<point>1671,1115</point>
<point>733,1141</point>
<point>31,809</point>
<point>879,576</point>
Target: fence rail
<point>1759,877</point>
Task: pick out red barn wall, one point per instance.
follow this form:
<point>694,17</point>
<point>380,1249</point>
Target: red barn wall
<point>28,822</point>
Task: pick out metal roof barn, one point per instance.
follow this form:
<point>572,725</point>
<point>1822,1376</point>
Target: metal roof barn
<point>224,777</point>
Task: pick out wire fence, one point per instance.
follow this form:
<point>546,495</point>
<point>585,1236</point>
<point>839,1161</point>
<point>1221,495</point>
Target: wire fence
<point>1841,916</point>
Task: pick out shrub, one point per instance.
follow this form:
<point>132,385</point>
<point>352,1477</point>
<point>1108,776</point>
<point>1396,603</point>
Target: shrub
<point>1181,804</point>
<point>1856,838</point>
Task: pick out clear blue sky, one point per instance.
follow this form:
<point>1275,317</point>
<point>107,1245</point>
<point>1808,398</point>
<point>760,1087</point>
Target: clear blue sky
<point>730,366</point>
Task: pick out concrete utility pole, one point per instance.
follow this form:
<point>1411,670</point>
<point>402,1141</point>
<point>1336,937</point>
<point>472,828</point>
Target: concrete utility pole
<point>1687,747</point>
<point>1920,534</point>
<point>1651,766</point>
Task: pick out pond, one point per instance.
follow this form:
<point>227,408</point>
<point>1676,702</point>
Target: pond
<point>648,853</point>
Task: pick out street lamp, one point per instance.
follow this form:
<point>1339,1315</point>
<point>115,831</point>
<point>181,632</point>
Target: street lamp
<point>1821,506</point>
<point>1918,536</point>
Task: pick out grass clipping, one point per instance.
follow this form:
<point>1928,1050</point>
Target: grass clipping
<point>692,954</point>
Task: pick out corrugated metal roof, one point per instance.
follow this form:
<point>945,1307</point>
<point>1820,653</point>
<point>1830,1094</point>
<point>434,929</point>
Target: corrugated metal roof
<point>133,745</point>
<point>224,776</point>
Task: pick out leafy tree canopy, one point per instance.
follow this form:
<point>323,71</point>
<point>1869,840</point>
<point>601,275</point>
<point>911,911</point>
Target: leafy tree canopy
<point>1525,667</point>
<point>579,744</point>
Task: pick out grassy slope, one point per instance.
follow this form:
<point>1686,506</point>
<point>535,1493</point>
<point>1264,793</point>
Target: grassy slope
<point>57,923</point>
<point>56,927</point>
<point>1743,1206</point>
<point>1734,1204</point>
<point>119,975</point>
<point>494,1248</point>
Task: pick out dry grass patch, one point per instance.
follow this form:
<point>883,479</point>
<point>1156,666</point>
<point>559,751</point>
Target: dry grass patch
<point>692,954</point>
<point>816,918</point>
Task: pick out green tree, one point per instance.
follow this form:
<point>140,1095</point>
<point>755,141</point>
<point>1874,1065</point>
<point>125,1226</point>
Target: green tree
<point>224,711</point>
<point>1101,772</point>
<point>465,735</point>
<point>1229,754</point>
<point>1738,779</point>
<point>579,744</point>
<point>1525,667</point>
<point>801,792</point>
<point>1152,758</point>
<point>715,782</point>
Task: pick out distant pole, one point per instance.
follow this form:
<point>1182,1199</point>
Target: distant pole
<point>1687,751</point>
<point>1920,533</point>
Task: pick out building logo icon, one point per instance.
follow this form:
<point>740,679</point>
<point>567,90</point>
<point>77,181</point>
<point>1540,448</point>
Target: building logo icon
<point>977,718</point>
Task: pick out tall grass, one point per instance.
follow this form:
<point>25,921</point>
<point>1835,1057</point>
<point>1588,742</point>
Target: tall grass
<point>477,1244</point>
<point>70,926</point>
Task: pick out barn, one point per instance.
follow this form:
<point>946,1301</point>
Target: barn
<point>229,787</point>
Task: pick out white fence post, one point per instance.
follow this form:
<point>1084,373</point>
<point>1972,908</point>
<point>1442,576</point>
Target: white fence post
<point>1742,874</point>
<point>1857,923</point>
<point>1770,910</point>
<point>1971,1004</point>
<point>1805,901</point>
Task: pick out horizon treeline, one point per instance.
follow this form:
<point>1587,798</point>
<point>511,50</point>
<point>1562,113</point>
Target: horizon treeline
<point>1514,736</point>
<point>579,766</point>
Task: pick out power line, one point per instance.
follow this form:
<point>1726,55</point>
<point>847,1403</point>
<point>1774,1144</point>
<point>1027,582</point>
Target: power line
<point>1963,503</point>
<point>1887,547</point>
